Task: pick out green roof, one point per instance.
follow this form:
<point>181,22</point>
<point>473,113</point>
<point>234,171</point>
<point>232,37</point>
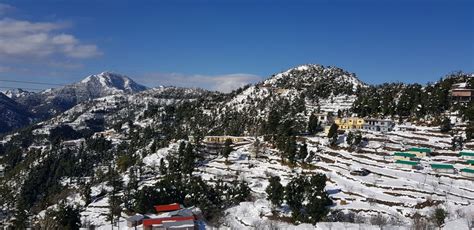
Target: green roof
<point>471,154</point>
<point>403,154</point>
<point>406,162</point>
<point>468,170</point>
<point>442,166</point>
<point>421,150</point>
<point>471,162</point>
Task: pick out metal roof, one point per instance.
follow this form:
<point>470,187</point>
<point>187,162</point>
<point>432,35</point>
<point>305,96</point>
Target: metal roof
<point>178,224</point>
<point>468,170</point>
<point>466,154</point>
<point>181,212</point>
<point>406,162</point>
<point>136,217</point>
<point>167,207</point>
<point>421,150</point>
<point>442,166</point>
<point>403,154</point>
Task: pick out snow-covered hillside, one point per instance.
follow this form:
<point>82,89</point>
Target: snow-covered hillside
<point>310,74</point>
<point>395,192</point>
<point>45,104</point>
<point>108,124</point>
<point>17,93</point>
<point>312,88</point>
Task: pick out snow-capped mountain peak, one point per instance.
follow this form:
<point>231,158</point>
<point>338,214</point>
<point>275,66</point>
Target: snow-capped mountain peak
<point>16,93</point>
<point>310,73</point>
<point>53,101</point>
<point>113,81</point>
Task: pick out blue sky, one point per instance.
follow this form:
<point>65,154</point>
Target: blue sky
<point>206,43</point>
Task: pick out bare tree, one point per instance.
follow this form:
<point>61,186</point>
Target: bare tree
<point>469,217</point>
<point>360,219</point>
<point>395,221</point>
<point>379,220</point>
<point>419,222</point>
<point>435,185</point>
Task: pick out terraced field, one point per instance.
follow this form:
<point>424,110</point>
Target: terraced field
<point>396,192</point>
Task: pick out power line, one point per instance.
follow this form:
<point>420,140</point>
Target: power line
<point>30,82</point>
<point>6,87</point>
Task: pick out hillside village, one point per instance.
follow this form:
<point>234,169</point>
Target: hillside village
<point>311,147</point>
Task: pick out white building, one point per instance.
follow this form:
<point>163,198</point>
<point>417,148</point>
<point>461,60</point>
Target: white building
<point>378,125</point>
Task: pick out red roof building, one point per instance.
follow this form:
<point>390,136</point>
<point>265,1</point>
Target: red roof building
<point>170,216</point>
<point>149,222</point>
<point>167,207</point>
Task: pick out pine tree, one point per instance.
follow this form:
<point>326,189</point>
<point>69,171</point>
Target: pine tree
<point>350,138</point>
<point>131,189</point>
<point>68,217</point>
<point>439,216</point>
<point>188,160</point>
<point>153,146</point>
<point>275,191</point>
<point>163,168</point>
<point>332,131</point>
<point>21,215</point>
<point>12,157</point>
<point>333,139</point>
<point>114,181</point>
<point>318,198</point>
<point>273,122</point>
<point>313,124</point>
<point>242,192</point>
<point>299,104</point>
<point>291,149</point>
<point>303,152</point>
<point>295,194</point>
<point>181,150</point>
<point>227,148</point>
<point>86,193</point>
<point>470,131</point>
<point>445,125</point>
<point>357,138</point>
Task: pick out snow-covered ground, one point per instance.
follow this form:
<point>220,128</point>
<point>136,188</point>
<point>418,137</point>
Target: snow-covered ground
<point>395,192</point>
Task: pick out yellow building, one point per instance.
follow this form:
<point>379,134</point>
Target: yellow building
<point>222,139</point>
<point>419,152</point>
<point>347,123</point>
<point>404,156</point>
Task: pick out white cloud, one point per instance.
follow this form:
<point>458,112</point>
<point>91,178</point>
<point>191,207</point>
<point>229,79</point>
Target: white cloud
<point>5,8</point>
<point>40,39</point>
<point>222,83</point>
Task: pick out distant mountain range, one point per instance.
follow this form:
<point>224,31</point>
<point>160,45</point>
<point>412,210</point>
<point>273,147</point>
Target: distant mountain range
<point>325,88</point>
<point>23,107</point>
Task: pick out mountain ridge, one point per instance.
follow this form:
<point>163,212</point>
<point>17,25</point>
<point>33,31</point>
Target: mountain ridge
<point>113,80</point>
<point>50,102</point>
<point>12,115</point>
<point>333,87</point>
<point>142,130</point>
